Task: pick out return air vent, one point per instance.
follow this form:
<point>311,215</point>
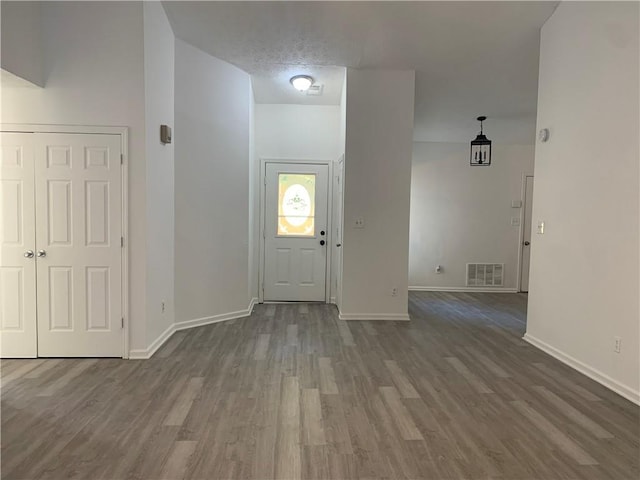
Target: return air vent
<point>315,90</point>
<point>485,274</point>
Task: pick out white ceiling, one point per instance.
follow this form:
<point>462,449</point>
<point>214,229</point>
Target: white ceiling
<point>471,58</point>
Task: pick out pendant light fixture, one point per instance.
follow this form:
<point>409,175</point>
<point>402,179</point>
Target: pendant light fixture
<point>480,148</point>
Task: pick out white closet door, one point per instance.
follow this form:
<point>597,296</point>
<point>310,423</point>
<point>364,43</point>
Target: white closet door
<point>17,246</point>
<point>78,235</point>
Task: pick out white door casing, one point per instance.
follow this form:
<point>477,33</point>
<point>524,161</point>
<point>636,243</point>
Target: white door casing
<point>339,195</point>
<point>295,226</point>
<point>78,241</point>
<point>17,239</point>
<point>526,234</point>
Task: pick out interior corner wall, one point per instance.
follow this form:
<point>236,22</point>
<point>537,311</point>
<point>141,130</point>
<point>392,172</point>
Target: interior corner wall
<point>254,203</point>
<point>212,110</point>
<point>584,283</point>
<point>339,196</point>
<point>159,58</point>
<point>377,182</point>
<point>343,115</point>
<point>93,57</point>
<point>462,214</point>
<point>22,48</point>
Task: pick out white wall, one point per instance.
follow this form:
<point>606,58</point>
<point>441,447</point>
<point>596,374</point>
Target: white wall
<point>212,104</point>
<point>343,115</point>
<point>94,66</point>
<point>159,57</point>
<point>22,49</point>
<point>298,131</point>
<point>584,269</point>
<point>379,129</point>
<point>254,202</point>
<point>462,214</point>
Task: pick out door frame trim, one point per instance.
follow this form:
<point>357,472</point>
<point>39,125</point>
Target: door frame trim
<point>523,196</point>
<point>261,263</point>
<point>124,178</point>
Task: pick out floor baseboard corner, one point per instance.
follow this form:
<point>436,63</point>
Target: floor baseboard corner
<point>394,317</point>
<point>418,288</point>
<point>603,379</point>
<point>186,324</point>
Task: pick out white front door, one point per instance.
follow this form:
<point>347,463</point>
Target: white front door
<point>78,237</point>
<point>17,247</point>
<point>526,237</point>
<point>296,231</point>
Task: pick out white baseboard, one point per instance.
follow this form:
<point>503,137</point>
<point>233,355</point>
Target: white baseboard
<point>592,373</point>
<point>464,289</point>
<point>198,322</point>
<point>153,348</point>
<point>396,317</point>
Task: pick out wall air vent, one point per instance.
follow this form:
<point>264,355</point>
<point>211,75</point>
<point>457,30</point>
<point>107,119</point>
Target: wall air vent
<point>485,274</point>
<point>315,90</point>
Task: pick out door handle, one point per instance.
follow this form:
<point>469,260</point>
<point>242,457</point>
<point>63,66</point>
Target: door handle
<point>321,242</point>
<point>28,254</point>
<point>42,253</point>
<point>527,244</point>
<point>338,244</point>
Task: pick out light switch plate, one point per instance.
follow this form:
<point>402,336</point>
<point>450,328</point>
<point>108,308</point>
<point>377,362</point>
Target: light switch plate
<point>540,228</point>
<point>516,203</point>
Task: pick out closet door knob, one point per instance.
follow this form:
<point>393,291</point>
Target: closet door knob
<point>28,254</point>
<point>42,253</point>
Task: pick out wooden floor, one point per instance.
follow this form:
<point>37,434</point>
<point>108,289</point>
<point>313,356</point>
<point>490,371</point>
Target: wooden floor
<point>292,392</point>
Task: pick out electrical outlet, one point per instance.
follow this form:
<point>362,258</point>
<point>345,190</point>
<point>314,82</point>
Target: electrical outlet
<point>359,223</point>
<point>617,344</point>
<point>162,306</point>
<point>394,292</point>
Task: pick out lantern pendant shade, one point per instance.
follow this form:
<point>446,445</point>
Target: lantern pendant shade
<point>480,148</point>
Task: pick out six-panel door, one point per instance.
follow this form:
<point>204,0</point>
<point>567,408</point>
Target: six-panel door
<point>296,233</point>
<point>17,246</point>
<point>75,228</point>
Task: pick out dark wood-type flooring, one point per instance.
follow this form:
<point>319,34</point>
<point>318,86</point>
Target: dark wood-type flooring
<point>293,392</point>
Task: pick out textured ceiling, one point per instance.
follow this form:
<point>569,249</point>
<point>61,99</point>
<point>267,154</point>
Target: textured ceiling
<point>471,58</point>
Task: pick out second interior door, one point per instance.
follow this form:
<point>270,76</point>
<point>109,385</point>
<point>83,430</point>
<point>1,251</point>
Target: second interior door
<point>295,232</point>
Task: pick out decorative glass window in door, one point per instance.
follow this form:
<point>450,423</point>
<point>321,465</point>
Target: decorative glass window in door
<point>296,204</point>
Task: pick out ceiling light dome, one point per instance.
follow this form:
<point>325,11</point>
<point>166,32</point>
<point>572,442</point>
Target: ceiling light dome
<point>301,82</point>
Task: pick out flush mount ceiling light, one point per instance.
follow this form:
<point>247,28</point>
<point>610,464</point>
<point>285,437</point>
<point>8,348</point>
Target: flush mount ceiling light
<point>301,82</point>
<point>481,148</point>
